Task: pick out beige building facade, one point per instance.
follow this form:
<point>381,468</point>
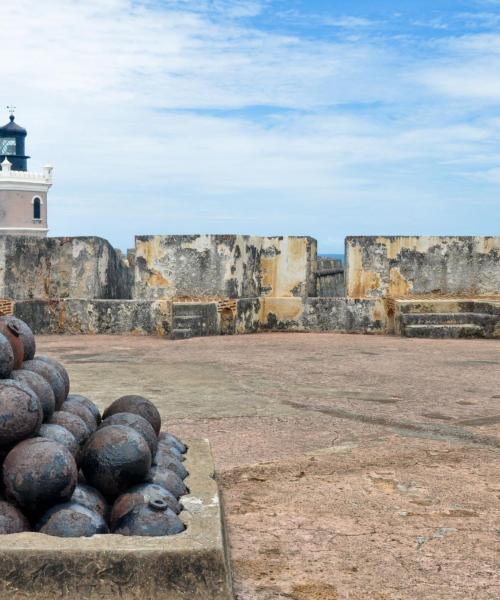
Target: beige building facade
<point>23,201</point>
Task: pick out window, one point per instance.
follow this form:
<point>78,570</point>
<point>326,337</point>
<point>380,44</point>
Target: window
<point>7,146</point>
<point>37,210</point>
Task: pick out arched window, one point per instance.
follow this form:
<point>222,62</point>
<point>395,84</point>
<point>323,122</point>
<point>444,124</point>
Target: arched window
<point>37,210</point>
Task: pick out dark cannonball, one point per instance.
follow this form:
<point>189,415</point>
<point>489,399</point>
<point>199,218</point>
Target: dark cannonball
<point>6,357</point>
<point>164,459</point>
<point>172,449</point>
<point>25,333</point>
<point>21,413</point>
<point>88,403</point>
<point>12,519</point>
<point>60,369</point>
<point>152,519</point>
<point>71,520</point>
<point>167,479</point>
<point>137,405</point>
<point>58,433</point>
<point>80,410</point>
<point>49,373</point>
<point>92,499</point>
<point>73,423</point>
<point>41,387</point>
<point>164,437</point>
<point>39,473</point>
<point>142,494</point>
<point>12,332</point>
<point>115,458</point>
<point>136,422</point>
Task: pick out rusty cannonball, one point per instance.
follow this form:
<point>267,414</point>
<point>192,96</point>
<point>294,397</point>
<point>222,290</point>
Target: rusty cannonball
<point>39,473</point>
<point>73,423</point>
<point>170,439</point>
<point>58,433</point>
<point>80,410</point>
<point>136,422</point>
<point>88,404</point>
<point>167,479</point>
<point>25,333</point>
<point>92,499</point>
<point>60,369</point>
<point>12,519</point>
<point>152,519</point>
<point>137,405</point>
<point>50,374</point>
<point>21,413</point>
<point>115,458</point>
<point>6,357</point>
<point>142,494</point>
<point>12,332</point>
<point>164,459</point>
<point>71,519</point>
<point>41,387</point>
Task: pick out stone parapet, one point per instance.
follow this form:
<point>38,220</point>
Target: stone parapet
<point>405,266</point>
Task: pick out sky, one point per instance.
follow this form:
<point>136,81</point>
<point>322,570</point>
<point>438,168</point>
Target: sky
<point>268,117</point>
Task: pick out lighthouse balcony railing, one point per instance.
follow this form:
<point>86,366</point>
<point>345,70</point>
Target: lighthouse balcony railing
<point>45,175</point>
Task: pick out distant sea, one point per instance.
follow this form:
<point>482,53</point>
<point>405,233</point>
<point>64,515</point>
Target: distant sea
<point>338,256</point>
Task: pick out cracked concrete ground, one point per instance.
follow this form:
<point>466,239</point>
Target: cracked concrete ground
<point>352,467</point>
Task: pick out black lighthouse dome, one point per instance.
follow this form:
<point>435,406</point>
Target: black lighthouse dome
<point>12,145</point>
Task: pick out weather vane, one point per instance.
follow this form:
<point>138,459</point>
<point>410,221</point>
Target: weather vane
<point>11,109</point>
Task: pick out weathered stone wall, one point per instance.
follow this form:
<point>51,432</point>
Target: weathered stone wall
<point>77,316</point>
<point>224,266</point>
<point>347,315</point>
<point>311,314</point>
<point>68,267</point>
<point>410,266</point>
<point>330,284</point>
<point>288,267</point>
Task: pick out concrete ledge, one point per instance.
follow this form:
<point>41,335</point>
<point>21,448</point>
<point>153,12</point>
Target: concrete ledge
<point>190,566</point>
<point>80,315</point>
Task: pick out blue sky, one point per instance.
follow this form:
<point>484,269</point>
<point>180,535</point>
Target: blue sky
<point>315,117</point>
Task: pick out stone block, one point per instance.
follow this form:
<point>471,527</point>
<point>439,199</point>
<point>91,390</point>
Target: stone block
<point>192,565</point>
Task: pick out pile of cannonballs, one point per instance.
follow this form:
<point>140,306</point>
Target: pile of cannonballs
<point>67,471</point>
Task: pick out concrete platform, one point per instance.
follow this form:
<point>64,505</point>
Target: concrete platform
<point>188,566</point>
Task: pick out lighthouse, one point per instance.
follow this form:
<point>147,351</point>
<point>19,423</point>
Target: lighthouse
<point>23,193</point>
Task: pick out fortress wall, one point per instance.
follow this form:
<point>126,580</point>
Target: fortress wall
<point>402,266</point>
<point>46,268</point>
<point>196,265</point>
<point>224,266</point>
<point>158,317</point>
<point>84,316</point>
<point>311,314</point>
<point>288,266</point>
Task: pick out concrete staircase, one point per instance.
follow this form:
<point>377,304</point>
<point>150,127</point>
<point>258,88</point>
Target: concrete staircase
<point>185,327</point>
<point>193,319</point>
<point>448,318</point>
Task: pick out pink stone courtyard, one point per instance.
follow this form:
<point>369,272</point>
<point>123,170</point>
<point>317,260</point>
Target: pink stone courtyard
<point>351,467</point>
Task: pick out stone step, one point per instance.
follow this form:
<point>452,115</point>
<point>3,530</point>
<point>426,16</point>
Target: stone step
<point>464,318</point>
<point>444,331</point>
<point>192,322</point>
<point>182,334</point>
<point>188,318</point>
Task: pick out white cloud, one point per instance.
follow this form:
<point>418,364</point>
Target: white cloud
<point>144,110</point>
<point>348,22</point>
